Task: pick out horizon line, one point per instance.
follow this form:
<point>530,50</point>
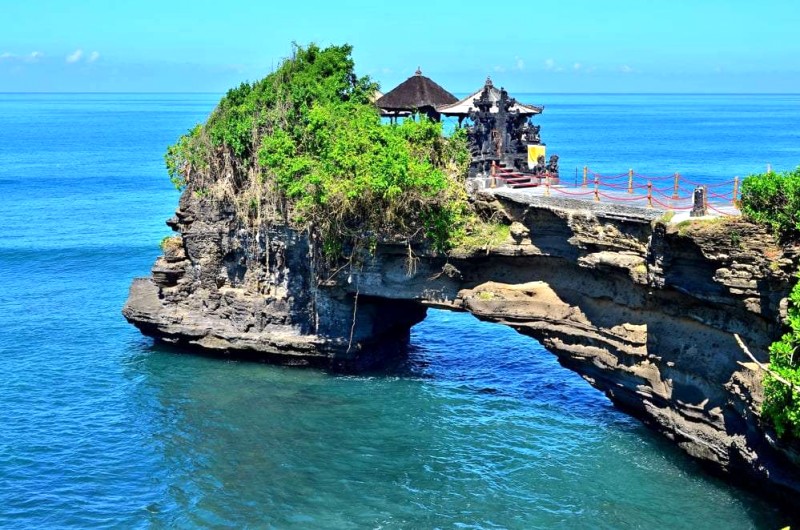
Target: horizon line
<point>457,92</point>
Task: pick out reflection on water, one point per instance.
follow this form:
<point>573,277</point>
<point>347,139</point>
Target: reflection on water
<point>489,431</point>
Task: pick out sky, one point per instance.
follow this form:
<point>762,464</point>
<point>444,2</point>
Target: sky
<point>566,46</point>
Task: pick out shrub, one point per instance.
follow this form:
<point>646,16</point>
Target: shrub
<point>774,199</point>
<point>307,140</point>
<point>782,401</point>
<point>171,243</point>
<point>186,157</point>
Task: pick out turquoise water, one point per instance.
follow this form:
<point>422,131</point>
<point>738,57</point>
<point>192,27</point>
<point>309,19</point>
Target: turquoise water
<point>481,428</point>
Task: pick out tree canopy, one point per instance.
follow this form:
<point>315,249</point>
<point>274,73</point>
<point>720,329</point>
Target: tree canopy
<point>307,145</point>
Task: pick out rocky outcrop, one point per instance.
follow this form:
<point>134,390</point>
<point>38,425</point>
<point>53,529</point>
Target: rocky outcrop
<point>253,291</point>
<point>644,310</point>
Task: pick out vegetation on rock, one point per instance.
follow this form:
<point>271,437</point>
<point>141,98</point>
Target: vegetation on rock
<point>171,243</point>
<point>782,397</point>
<point>306,146</point>
<point>774,199</point>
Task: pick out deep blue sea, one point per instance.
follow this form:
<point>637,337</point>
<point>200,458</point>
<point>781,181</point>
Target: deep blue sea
<point>481,428</point>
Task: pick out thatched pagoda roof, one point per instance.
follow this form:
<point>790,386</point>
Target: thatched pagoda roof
<point>463,107</point>
<point>416,92</point>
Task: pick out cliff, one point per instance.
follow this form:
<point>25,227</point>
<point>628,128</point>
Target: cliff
<point>646,311</point>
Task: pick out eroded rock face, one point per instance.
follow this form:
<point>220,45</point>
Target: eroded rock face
<point>253,290</point>
<point>643,311</point>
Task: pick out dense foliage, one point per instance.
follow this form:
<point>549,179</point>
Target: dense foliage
<point>774,199</point>
<point>305,144</point>
<point>782,398</point>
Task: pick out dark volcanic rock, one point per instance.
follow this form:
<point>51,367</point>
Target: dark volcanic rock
<point>643,311</point>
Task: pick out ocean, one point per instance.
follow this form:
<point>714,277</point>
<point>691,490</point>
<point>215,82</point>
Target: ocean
<point>101,428</point>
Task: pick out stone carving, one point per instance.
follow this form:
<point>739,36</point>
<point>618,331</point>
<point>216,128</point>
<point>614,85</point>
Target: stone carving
<point>531,132</point>
<point>501,134</point>
<point>552,165</point>
<point>540,166</point>
<point>698,202</point>
<point>483,120</point>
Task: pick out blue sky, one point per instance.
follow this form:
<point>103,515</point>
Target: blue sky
<point>555,46</point>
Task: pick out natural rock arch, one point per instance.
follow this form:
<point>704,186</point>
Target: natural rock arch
<point>643,311</point>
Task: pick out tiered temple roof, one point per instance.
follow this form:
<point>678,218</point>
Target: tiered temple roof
<point>418,93</point>
<point>462,108</point>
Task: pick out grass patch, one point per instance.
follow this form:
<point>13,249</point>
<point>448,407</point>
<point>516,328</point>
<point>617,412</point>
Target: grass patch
<point>688,226</point>
<point>486,295</point>
<point>666,218</point>
<point>481,235</point>
<point>171,244</point>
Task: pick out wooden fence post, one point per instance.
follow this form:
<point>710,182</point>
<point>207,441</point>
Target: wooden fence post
<point>630,181</point>
<point>649,194</point>
<point>675,187</point>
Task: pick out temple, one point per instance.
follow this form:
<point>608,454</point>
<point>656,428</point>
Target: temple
<point>462,108</point>
<point>505,144</point>
<point>416,94</point>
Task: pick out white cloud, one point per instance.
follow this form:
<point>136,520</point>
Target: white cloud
<point>93,57</point>
<point>499,68</point>
<point>28,58</point>
<point>625,69</point>
<point>549,64</point>
<point>520,64</point>
<point>75,56</point>
<point>577,66</point>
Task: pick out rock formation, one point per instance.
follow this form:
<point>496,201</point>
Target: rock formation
<point>644,310</point>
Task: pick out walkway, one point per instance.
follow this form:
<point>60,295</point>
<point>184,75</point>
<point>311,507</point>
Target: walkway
<point>628,192</point>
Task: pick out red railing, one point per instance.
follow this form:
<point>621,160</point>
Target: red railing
<point>668,192</point>
<point>652,191</point>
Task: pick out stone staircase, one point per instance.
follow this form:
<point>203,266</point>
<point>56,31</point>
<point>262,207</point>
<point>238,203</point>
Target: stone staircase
<point>514,179</point>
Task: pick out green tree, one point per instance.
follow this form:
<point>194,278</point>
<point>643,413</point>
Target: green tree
<point>309,140</point>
